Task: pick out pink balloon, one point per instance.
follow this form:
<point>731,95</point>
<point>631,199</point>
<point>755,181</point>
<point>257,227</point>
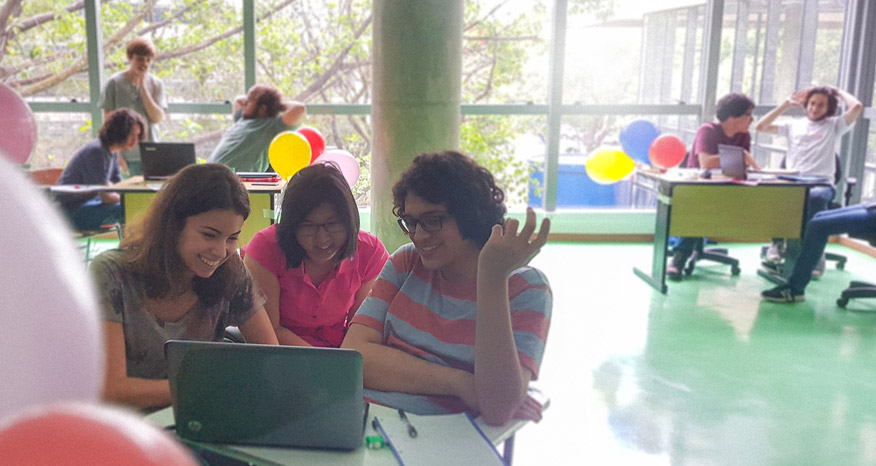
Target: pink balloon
<point>314,137</point>
<point>87,434</point>
<point>345,161</point>
<point>19,134</point>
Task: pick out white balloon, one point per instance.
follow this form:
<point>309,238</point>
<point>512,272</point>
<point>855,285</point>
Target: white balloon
<point>50,333</point>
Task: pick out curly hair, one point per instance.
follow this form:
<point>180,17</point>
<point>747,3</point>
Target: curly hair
<point>150,246</point>
<point>118,126</point>
<point>140,46</point>
<point>466,189</point>
<point>308,189</point>
<point>828,92</point>
<point>269,97</point>
<point>733,105</point>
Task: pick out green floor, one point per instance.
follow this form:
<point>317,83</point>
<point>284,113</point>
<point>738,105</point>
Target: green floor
<point>705,375</point>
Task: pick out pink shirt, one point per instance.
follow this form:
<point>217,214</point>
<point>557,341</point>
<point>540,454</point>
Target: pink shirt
<point>317,313</point>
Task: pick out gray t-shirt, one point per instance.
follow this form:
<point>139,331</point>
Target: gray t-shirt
<point>122,299</point>
<point>119,92</point>
<point>244,146</point>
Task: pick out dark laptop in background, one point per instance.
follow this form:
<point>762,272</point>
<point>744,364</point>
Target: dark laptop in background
<point>732,161</point>
<point>281,396</point>
<point>161,160</point>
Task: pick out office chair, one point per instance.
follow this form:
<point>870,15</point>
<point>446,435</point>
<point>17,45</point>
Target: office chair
<point>49,177</point>
<point>859,289</point>
<point>776,272</point>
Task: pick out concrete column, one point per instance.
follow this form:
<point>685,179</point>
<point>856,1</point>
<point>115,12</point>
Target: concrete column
<point>417,69</point>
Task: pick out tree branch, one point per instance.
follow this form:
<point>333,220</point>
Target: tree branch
<point>326,75</point>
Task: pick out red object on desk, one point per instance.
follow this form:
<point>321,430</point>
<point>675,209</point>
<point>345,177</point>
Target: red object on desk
<point>260,178</point>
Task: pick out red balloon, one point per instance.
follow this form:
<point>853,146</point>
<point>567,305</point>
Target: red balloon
<point>667,151</point>
<point>317,142</point>
<point>87,434</point>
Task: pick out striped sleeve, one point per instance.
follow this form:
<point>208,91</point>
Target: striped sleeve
<point>372,312</point>
<point>531,302</point>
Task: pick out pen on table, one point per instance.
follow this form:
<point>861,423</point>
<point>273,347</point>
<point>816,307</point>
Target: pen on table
<point>412,431</point>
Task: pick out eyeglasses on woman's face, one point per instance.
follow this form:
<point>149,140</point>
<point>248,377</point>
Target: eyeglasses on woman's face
<point>310,229</point>
<point>429,223</point>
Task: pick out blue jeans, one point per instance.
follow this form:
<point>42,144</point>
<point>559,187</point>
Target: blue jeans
<point>94,213</point>
<point>859,218</point>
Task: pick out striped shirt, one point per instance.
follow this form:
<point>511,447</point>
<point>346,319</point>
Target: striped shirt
<point>420,313</point>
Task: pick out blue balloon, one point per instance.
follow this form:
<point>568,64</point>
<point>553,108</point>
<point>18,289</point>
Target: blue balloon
<point>636,139</point>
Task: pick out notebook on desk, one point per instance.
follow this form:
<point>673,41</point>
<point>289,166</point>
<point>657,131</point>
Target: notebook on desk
<point>732,161</point>
<point>279,396</point>
<point>161,160</point>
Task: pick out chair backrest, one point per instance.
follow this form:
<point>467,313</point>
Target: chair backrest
<point>46,176</point>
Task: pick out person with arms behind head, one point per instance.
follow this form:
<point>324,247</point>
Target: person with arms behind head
<point>176,276</point>
<point>258,117</point>
<point>98,163</point>
<point>733,113</point>
<point>137,89</point>
<point>813,143</point>
<point>457,321</point>
<point>315,266</point>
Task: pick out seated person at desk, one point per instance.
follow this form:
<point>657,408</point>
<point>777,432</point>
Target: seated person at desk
<point>97,163</point>
<point>315,266</point>
<point>859,218</point>
<point>733,112</point>
<point>176,276</point>
<point>258,117</point>
<point>812,143</point>
<point>456,321</point>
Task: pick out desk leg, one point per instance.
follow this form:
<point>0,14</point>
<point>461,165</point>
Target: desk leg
<point>508,450</point>
<point>657,278</point>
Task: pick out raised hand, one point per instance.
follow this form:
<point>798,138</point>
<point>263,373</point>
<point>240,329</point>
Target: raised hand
<point>798,98</point>
<point>506,250</point>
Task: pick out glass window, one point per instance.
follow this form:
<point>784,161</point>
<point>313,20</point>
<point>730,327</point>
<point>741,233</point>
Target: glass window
<point>315,51</point>
<point>632,57</point>
<point>505,51</point>
<point>46,43</point>
<point>205,130</point>
<point>60,136</point>
<point>199,46</point>
<point>787,45</point>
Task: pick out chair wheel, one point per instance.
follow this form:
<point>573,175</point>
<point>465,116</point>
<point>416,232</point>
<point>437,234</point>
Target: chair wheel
<point>842,302</point>
<point>735,271</point>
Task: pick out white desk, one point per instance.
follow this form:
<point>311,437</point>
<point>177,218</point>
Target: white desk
<point>270,456</point>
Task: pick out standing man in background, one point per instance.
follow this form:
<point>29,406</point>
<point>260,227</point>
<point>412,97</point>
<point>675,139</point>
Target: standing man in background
<point>136,89</point>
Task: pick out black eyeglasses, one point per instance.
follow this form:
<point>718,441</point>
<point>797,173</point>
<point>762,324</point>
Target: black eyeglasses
<point>428,223</point>
<point>309,229</point>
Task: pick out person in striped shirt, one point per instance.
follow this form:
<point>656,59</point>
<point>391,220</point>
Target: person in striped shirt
<point>457,321</point>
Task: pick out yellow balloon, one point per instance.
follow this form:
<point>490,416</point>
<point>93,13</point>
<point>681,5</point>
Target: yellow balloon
<point>288,153</point>
<point>607,166</point>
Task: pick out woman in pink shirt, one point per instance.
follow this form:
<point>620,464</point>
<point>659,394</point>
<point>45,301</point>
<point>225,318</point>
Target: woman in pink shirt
<point>315,266</point>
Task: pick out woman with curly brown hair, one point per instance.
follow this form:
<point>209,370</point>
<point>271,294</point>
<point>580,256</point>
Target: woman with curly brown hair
<point>176,276</point>
<point>456,321</point>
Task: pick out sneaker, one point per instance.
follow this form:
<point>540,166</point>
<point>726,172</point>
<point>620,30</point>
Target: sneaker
<point>783,294</point>
<point>775,252</point>
<point>773,268</point>
<point>672,272</point>
<point>818,271</point>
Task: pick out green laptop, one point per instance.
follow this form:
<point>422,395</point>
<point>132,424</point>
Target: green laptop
<point>280,396</point>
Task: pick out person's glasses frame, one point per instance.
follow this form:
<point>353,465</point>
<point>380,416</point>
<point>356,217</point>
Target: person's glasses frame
<point>310,229</point>
<point>432,223</point>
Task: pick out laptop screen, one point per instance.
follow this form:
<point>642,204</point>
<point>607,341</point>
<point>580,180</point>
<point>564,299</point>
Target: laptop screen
<point>161,160</point>
<point>732,161</point>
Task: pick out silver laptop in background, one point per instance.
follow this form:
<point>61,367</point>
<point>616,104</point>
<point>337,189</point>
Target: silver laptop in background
<point>732,161</point>
<point>280,396</point>
<point>161,160</point>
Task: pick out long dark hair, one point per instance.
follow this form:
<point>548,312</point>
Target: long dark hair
<point>467,189</point>
<point>150,247</point>
<point>307,190</point>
